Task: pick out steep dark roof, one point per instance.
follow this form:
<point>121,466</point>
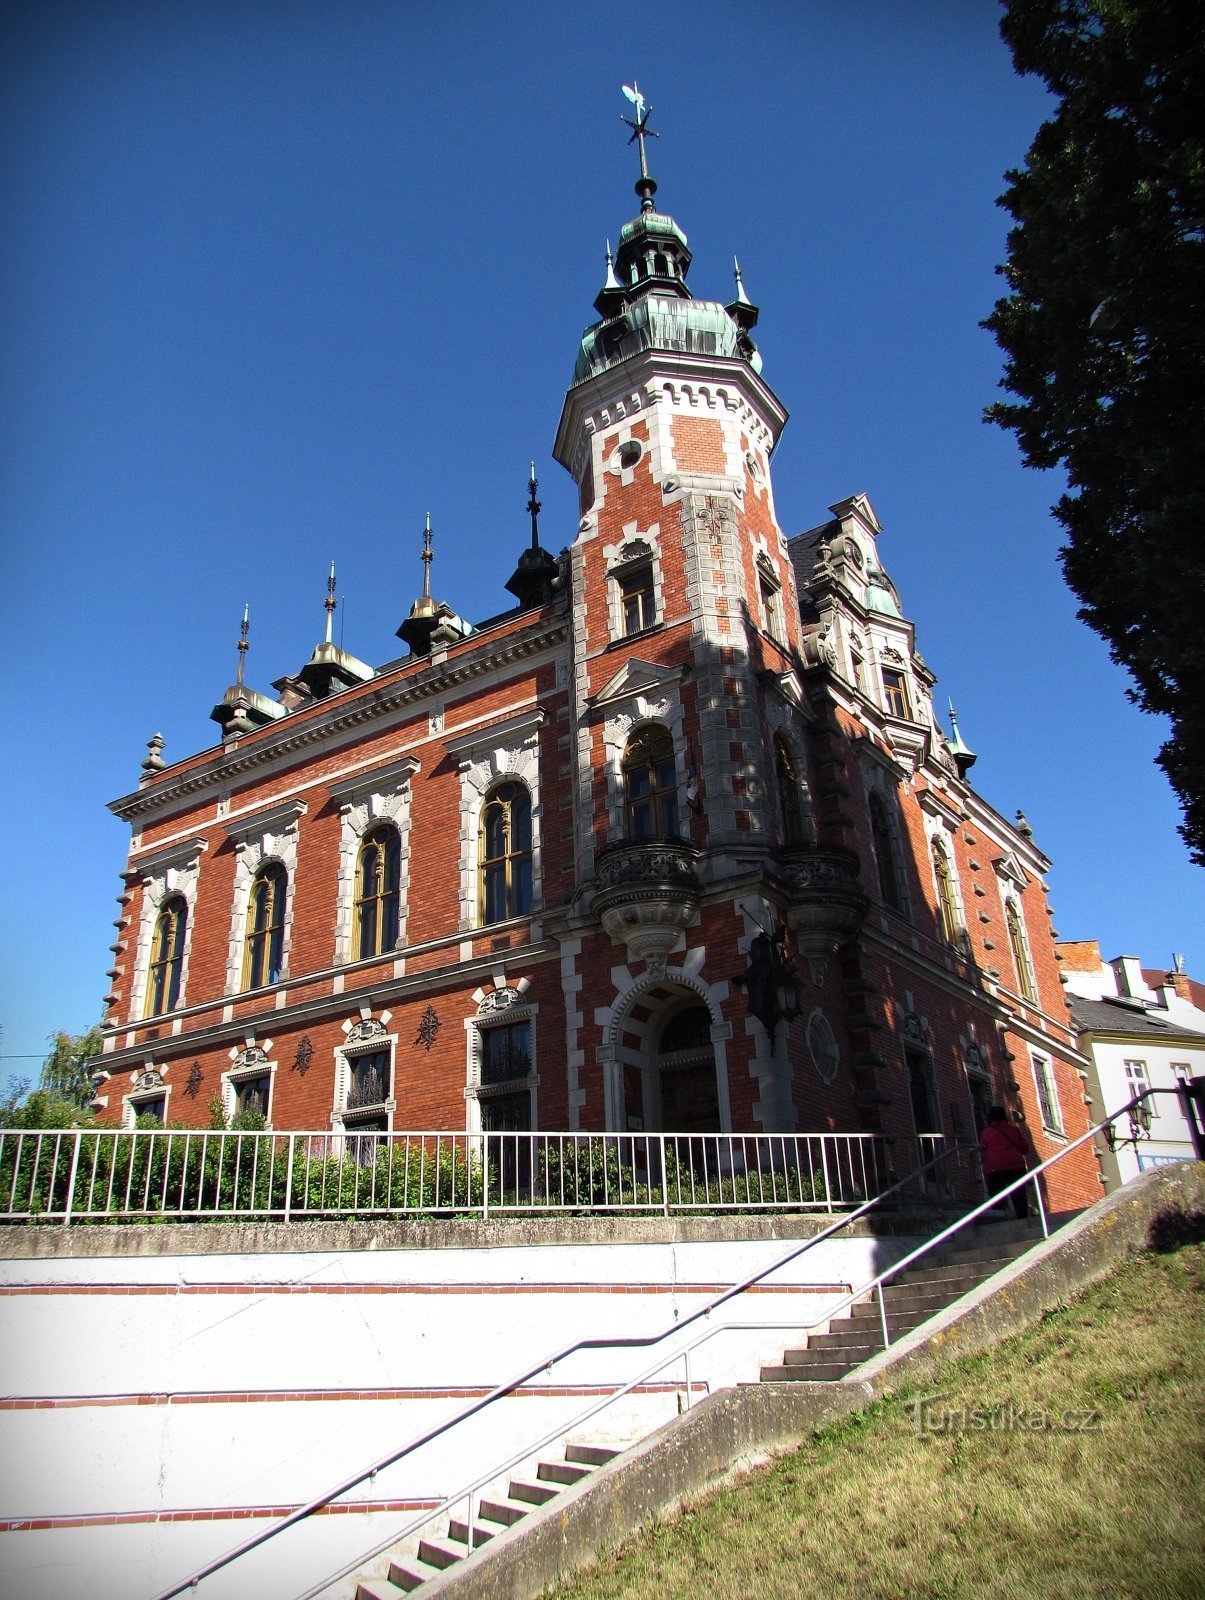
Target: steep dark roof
<point>1111,1016</point>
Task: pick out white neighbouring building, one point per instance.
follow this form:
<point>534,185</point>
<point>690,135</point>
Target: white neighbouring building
<point>1142,1028</point>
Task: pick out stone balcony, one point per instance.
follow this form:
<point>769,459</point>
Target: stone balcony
<point>826,904</point>
<point>648,893</point>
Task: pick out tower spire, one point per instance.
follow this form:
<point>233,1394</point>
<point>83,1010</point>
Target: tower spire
<point>330,603</point>
<point>428,557</point>
<point>964,757</point>
<point>646,187</point>
<point>536,575</point>
<point>534,507</point>
<point>243,645</point>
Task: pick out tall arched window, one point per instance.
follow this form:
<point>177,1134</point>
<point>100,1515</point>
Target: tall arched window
<point>885,853</point>
<point>1020,949</point>
<point>504,853</point>
<point>378,892</point>
<point>790,796</point>
<point>263,954</point>
<point>167,957</point>
<point>650,784</point>
<point>947,903</point>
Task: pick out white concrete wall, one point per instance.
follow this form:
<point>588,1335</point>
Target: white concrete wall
<point>201,1396</point>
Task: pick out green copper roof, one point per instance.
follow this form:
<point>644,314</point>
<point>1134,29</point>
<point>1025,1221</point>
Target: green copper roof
<point>655,222</point>
<point>657,322</point>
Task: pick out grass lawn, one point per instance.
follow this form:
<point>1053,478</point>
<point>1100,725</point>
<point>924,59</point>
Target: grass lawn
<point>1068,1462</point>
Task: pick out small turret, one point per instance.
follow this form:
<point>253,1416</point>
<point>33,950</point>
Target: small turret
<point>328,670</point>
<point>431,621</point>
<point>534,579</point>
<point>241,710</point>
<point>964,757</point>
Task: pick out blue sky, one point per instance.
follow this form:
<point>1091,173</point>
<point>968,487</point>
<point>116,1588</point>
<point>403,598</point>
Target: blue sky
<point>279,278</point>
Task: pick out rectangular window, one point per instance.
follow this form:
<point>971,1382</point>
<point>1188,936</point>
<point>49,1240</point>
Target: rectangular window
<point>894,694</point>
<point>1048,1100</point>
<point>637,600</point>
<point>505,1053</point>
<point>1136,1076</point>
<point>857,666</point>
<point>251,1094</point>
<point>367,1080</point>
<point>771,600</point>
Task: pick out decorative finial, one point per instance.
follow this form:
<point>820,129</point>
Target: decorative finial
<point>533,505</point>
<point>964,757</point>
<point>646,187</point>
<point>330,603</point>
<point>742,297</point>
<point>428,558</point>
<point>153,761</point>
<point>612,282</point>
<point>1023,827</point>
<point>243,646</point>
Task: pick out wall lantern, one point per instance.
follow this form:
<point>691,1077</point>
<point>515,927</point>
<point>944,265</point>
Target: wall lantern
<point>1140,1127</point>
<point>771,982</point>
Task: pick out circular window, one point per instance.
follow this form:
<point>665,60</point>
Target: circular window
<point>823,1046</point>
<point>626,455</point>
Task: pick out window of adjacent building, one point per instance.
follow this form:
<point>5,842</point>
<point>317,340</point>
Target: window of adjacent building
<point>637,599</point>
<point>790,794</point>
<point>650,784</point>
<point>505,853</point>
<point>378,892</point>
<point>1019,946</point>
<point>947,900</point>
<point>885,853</point>
<point>1136,1076</point>
<point>264,950</point>
<point>167,958</point>
<point>895,695</point>
<point>1048,1099</point>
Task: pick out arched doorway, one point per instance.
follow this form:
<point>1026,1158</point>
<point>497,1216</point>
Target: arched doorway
<point>670,1082</point>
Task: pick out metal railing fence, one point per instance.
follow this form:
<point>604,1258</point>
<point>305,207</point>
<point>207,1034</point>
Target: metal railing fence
<point>116,1175</point>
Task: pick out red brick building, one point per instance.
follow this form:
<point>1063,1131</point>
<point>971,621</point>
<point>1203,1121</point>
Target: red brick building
<point>517,878</point>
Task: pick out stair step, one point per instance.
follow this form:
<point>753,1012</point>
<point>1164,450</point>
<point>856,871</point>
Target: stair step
<point>537,1494</point>
<point>507,1512</point>
<point>438,1553</point>
<point>818,1372</point>
<point>563,1472</point>
<point>458,1529</point>
<point>591,1455</point>
<point>378,1589</point>
<point>410,1574</point>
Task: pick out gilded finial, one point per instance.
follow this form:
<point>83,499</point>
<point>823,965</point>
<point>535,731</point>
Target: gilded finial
<point>330,603</point>
<point>428,558</point>
<point>534,507</point>
<point>243,646</point>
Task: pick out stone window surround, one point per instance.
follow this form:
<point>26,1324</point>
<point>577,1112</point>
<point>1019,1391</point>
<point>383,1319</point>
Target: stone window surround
<point>134,1098</point>
<point>882,777</point>
<point>375,795</point>
<point>375,1038</point>
<point>506,749</point>
<point>171,870</point>
<point>1046,1087</point>
<point>270,835</point>
<point>665,710</point>
<point>941,834</point>
<point>493,1011</point>
<point>781,721</point>
<point>252,1061</point>
<point>620,564</point>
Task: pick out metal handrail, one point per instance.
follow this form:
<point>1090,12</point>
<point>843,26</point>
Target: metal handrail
<point>644,1341</point>
<point>509,1387</point>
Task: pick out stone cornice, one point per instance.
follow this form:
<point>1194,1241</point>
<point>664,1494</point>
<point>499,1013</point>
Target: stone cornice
<point>340,715</point>
<point>167,855</point>
<point>267,819</point>
<point>489,735</point>
<point>388,775</point>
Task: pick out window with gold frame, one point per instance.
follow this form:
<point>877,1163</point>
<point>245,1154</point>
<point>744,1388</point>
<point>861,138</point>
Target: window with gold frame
<point>504,853</point>
<point>378,892</point>
<point>167,957</point>
<point>263,953</point>
<point>650,784</point>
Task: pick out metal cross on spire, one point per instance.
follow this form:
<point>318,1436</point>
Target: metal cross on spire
<point>641,131</point>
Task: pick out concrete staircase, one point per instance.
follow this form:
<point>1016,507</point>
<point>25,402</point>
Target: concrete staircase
<point>912,1298</point>
<point>496,1513</point>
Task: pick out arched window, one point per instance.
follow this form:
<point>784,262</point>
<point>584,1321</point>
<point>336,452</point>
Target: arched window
<point>264,950</point>
<point>790,796</point>
<point>947,904</point>
<point>650,784</point>
<point>505,853</point>
<point>378,892</point>
<point>1020,949</point>
<point>167,957</point>
<point>886,855</point>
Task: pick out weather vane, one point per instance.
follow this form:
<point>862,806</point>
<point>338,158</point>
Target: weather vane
<point>640,132</point>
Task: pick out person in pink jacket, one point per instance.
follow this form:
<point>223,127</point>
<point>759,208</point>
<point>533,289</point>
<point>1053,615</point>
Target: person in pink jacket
<point>1005,1157</point>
